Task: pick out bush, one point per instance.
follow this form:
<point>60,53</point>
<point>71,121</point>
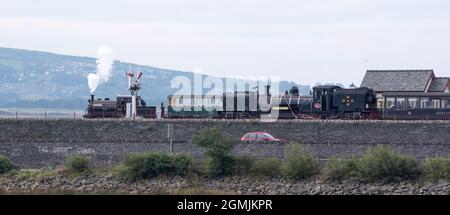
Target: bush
<point>384,164</point>
<point>183,164</point>
<point>5,165</point>
<point>78,164</point>
<point>138,166</point>
<point>219,166</point>
<point>339,169</point>
<point>219,161</point>
<point>299,163</point>
<point>270,167</point>
<point>243,165</point>
<point>214,143</point>
<point>437,168</point>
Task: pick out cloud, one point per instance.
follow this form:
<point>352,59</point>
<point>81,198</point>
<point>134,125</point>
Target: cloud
<point>305,41</point>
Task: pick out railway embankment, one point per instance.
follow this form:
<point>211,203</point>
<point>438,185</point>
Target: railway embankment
<point>109,184</point>
<point>39,143</point>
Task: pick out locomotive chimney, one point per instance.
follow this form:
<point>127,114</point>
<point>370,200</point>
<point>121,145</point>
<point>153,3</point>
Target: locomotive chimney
<point>92,99</point>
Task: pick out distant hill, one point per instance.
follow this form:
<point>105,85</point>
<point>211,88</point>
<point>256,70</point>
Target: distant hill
<point>46,80</point>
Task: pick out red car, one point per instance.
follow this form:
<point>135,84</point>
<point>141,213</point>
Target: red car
<point>259,137</point>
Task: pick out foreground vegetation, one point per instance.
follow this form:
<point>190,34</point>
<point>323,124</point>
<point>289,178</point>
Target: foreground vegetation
<point>196,190</point>
<point>378,164</point>
<point>5,165</point>
<point>149,165</point>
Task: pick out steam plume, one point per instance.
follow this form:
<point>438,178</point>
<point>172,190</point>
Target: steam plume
<point>104,68</point>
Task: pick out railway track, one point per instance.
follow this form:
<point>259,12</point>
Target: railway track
<point>167,120</point>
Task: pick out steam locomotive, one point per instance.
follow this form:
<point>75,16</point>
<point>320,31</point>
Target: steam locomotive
<point>124,106</point>
<point>324,102</point>
<point>121,108</point>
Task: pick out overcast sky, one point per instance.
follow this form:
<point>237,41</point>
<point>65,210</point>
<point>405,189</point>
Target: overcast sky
<point>304,41</point>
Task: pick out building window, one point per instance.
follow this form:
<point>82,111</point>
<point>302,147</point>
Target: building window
<point>380,103</point>
<point>445,103</point>
<point>413,103</point>
<point>426,103</point>
<point>436,103</point>
<point>401,103</point>
<point>390,103</point>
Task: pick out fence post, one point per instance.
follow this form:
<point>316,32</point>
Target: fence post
<point>169,136</point>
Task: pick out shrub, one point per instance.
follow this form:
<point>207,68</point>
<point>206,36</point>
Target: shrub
<point>219,162</point>
<point>299,163</point>
<point>270,167</point>
<point>384,164</point>
<point>145,165</point>
<point>243,165</point>
<point>139,166</point>
<point>213,142</point>
<point>5,165</point>
<point>437,168</point>
<point>219,166</point>
<point>339,169</point>
<point>78,164</point>
<point>134,167</point>
<point>183,164</point>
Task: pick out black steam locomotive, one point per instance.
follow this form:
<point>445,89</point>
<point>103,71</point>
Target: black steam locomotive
<point>120,108</point>
<point>335,102</point>
<point>324,102</point>
<point>329,102</point>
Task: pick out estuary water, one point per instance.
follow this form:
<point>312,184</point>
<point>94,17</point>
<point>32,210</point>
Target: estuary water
<point>40,113</point>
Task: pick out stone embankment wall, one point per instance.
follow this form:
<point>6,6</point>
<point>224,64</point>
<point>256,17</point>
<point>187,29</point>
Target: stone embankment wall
<point>108,184</point>
<point>40,143</point>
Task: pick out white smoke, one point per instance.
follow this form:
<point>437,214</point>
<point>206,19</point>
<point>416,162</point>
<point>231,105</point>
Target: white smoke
<point>104,68</point>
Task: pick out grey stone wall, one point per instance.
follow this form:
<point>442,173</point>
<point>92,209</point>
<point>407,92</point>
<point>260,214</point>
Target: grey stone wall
<point>39,143</point>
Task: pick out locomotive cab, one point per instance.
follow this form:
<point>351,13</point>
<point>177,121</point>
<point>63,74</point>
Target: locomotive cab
<point>323,98</point>
<point>336,102</point>
<point>360,100</point>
